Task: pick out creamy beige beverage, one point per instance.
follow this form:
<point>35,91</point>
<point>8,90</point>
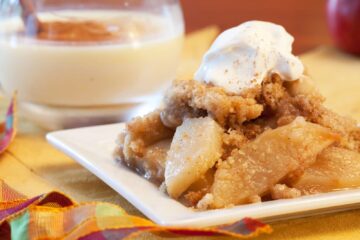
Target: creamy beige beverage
<point>126,58</point>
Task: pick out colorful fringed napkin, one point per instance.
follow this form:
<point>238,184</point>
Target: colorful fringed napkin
<point>7,128</point>
<point>56,216</point>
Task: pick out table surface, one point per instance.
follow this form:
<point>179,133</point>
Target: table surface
<point>305,19</point>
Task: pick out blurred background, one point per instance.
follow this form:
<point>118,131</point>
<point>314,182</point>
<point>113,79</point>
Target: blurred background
<point>305,20</point>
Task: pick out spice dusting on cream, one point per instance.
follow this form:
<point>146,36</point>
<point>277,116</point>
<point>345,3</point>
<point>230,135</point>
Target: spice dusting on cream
<point>241,57</point>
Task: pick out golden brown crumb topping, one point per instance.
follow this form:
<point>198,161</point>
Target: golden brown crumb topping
<point>193,99</point>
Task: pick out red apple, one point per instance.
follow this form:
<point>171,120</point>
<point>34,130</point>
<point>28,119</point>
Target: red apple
<point>344,23</point>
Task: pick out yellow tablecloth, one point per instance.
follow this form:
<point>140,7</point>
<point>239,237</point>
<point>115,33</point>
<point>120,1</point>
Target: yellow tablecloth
<point>32,166</point>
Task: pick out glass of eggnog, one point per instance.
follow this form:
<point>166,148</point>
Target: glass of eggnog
<point>84,56</point>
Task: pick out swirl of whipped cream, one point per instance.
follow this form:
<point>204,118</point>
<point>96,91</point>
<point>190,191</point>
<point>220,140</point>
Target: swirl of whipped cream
<point>241,57</point>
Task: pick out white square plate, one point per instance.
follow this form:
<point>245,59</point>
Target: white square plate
<point>92,147</point>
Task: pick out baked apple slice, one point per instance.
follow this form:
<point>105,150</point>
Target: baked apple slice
<point>196,146</point>
<point>252,170</point>
<point>335,168</point>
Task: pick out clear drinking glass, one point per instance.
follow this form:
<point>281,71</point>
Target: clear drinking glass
<point>88,55</point>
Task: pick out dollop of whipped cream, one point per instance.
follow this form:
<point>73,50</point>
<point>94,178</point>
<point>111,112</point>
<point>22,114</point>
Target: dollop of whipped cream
<point>242,57</point>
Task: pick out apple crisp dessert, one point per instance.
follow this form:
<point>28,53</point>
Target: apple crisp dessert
<point>212,146</point>
<point>212,149</point>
